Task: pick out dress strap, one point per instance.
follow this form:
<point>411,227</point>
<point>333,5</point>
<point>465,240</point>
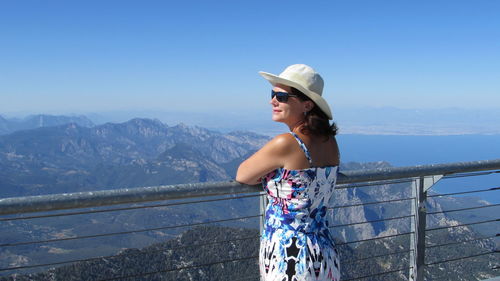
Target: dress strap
<point>303,147</point>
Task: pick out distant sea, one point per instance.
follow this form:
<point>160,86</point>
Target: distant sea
<point>408,150</point>
<point>405,150</point>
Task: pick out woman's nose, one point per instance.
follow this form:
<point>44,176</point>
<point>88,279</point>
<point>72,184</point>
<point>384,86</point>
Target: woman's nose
<point>273,101</point>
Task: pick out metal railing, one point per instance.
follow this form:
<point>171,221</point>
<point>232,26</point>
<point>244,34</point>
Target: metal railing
<point>419,179</point>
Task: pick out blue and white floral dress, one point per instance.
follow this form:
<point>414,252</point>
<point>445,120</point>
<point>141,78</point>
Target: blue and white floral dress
<point>296,244</point>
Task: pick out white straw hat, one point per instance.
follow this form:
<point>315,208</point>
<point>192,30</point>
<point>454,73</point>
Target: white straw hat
<point>305,79</point>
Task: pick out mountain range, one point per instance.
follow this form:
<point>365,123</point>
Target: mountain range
<point>144,152</point>
<point>140,152</point>
<point>10,125</point>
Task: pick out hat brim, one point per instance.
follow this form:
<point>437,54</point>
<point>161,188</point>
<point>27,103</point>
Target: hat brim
<point>317,99</point>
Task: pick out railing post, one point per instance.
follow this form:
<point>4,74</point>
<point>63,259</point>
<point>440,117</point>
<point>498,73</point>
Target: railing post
<point>421,224</point>
<point>418,225</point>
<point>412,276</point>
<point>262,210</point>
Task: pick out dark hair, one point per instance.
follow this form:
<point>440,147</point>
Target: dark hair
<point>316,121</point>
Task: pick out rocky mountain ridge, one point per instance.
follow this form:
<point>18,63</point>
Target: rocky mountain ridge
<point>70,158</point>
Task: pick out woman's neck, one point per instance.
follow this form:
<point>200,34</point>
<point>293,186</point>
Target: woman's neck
<point>296,126</point>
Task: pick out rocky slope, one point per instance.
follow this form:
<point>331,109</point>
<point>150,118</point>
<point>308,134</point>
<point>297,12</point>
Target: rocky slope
<point>140,152</point>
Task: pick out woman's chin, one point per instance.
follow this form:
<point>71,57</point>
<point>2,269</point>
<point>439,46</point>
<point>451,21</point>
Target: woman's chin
<point>277,118</point>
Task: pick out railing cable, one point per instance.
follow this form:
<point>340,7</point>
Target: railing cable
<point>471,174</point>
<point>463,209</point>
<point>460,242</point>
<point>461,258</point>
<point>372,221</point>
<point>465,192</point>
<point>377,256</point>
<point>124,232</point>
<point>371,203</point>
<point>372,183</point>
<point>132,254</point>
<point>375,238</point>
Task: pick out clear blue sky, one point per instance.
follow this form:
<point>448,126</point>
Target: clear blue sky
<point>63,56</point>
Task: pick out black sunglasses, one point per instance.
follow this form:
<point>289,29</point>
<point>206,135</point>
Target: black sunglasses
<point>281,96</point>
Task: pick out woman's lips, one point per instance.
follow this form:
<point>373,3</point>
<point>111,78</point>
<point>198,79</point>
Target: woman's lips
<point>276,110</point>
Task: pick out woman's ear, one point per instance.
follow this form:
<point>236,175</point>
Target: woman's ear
<point>308,106</point>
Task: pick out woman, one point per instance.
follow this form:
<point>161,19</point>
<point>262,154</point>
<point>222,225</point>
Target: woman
<point>298,171</point>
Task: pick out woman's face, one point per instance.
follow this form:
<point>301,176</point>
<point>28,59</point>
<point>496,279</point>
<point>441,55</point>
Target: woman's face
<point>289,112</point>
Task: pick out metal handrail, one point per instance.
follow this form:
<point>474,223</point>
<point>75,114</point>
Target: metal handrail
<point>419,176</point>
<point>53,202</point>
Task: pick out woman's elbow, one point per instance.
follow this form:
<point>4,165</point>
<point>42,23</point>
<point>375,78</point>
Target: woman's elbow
<point>247,181</point>
<point>244,178</point>
<point>241,179</point>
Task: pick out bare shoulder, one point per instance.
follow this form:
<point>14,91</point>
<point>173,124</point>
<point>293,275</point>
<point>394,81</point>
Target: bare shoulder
<point>282,143</point>
<point>283,139</point>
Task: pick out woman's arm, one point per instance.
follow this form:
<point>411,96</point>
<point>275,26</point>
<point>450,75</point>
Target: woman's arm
<point>270,157</point>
